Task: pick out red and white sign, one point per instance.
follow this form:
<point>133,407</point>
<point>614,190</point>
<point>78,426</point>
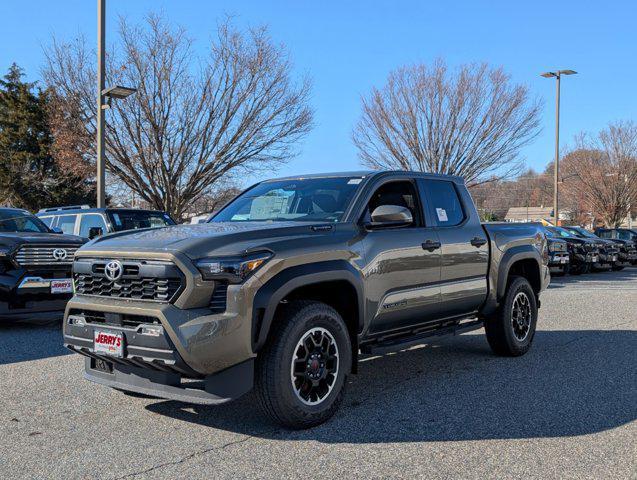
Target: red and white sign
<point>62,286</point>
<point>109,343</point>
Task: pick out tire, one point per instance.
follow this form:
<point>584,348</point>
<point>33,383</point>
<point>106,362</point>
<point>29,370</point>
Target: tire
<point>617,268</point>
<point>304,402</point>
<point>505,335</point>
<point>576,269</point>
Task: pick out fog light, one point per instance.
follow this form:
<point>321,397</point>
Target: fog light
<point>152,331</point>
<point>77,320</point>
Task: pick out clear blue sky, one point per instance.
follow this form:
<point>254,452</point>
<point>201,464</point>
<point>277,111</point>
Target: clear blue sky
<point>349,46</point>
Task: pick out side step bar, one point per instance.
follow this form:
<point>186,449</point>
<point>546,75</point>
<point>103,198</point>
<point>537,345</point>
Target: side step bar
<point>382,347</point>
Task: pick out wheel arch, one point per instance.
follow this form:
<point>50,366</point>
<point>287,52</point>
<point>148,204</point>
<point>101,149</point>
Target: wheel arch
<point>523,261</point>
<point>331,282</point>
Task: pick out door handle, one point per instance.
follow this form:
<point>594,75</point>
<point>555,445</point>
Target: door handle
<point>430,245</point>
<point>478,242</point>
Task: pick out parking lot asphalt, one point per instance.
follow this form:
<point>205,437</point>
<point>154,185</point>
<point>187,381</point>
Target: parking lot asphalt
<point>450,409</point>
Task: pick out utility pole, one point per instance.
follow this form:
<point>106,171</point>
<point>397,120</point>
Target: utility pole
<point>101,51</point>
<point>556,166</point>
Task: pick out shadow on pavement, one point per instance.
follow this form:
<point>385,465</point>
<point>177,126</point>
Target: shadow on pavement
<point>570,383</point>
<point>24,342</point>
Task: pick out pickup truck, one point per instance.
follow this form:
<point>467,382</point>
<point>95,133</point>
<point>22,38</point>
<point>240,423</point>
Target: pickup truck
<point>35,268</point>
<point>291,281</point>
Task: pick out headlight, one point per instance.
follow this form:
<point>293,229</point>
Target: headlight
<point>232,269</point>
<point>5,251</point>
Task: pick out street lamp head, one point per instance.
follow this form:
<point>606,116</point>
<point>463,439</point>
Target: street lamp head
<point>548,74</point>
<point>118,92</point>
<point>567,72</point>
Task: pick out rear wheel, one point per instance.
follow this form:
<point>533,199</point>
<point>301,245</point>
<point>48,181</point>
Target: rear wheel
<point>301,373</point>
<point>511,330</point>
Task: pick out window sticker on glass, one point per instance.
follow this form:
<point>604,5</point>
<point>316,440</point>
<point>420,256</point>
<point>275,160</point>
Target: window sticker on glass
<point>354,181</point>
<point>117,219</point>
<point>442,215</point>
<point>271,205</point>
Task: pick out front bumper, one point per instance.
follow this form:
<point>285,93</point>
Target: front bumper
<point>559,259</point>
<point>589,257</point>
<point>30,297</point>
<point>191,355</point>
<point>608,257</point>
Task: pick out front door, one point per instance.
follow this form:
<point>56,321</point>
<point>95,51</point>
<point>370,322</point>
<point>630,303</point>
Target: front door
<point>402,277</point>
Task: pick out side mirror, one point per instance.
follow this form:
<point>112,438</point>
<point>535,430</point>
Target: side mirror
<point>390,216</point>
<point>57,230</point>
<point>95,232</point>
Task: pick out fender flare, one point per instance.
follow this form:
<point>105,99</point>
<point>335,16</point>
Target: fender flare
<point>283,283</point>
<point>512,255</point>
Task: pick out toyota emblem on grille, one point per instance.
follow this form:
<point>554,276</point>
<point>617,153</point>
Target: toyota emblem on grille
<point>113,270</point>
<point>59,254</point>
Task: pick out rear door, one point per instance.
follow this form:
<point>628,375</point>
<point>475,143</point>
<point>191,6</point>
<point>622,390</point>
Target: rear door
<point>465,249</point>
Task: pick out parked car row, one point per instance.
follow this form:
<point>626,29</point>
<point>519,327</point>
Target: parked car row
<point>575,250</point>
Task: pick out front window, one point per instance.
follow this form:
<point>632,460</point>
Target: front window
<point>582,232</point>
<point>135,219</point>
<point>311,199</point>
<point>91,220</point>
<point>559,232</point>
<point>21,221</point>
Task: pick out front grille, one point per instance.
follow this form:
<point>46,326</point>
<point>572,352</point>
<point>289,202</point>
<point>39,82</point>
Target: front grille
<point>219,298</point>
<point>115,319</point>
<point>155,281</point>
<point>44,255</point>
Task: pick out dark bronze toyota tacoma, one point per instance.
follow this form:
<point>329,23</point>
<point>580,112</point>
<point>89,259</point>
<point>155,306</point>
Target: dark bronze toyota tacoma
<point>292,280</point>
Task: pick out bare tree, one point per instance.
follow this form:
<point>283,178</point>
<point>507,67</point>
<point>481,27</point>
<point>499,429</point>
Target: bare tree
<point>471,122</point>
<point>604,172</point>
<point>192,121</point>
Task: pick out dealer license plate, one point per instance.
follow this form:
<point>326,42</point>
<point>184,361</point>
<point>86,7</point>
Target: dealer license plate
<point>563,260</point>
<point>62,286</point>
<point>109,343</point>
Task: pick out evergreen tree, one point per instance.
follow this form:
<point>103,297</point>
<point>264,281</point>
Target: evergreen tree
<point>29,175</point>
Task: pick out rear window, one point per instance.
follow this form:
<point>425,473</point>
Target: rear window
<point>445,205</point>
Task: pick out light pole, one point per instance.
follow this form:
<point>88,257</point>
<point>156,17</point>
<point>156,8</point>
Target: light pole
<point>556,166</point>
<point>101,176</point>
<point>102,94</point>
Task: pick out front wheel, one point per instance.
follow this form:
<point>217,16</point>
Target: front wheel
<point>511,330</point>
<point>301,373</point>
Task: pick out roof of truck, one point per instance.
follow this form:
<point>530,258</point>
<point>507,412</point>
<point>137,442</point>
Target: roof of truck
<point>366,173</point>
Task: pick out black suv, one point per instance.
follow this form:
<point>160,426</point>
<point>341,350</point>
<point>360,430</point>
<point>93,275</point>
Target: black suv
<point>626,238</point>
<point>90,222</point>
<point>35,267</point>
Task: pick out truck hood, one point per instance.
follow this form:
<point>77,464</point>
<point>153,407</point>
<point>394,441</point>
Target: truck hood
<point>11,239</point>
<point>199,240</point>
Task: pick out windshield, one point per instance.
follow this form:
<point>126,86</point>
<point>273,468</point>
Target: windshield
<point>134,219</point>
<point>312,199</point>
<point>559,232</point>
<point>21,221</point>
<point>581,232</point>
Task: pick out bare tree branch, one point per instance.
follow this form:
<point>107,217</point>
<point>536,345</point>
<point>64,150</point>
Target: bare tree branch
<point>192,121</point>
<point>471,123</point>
